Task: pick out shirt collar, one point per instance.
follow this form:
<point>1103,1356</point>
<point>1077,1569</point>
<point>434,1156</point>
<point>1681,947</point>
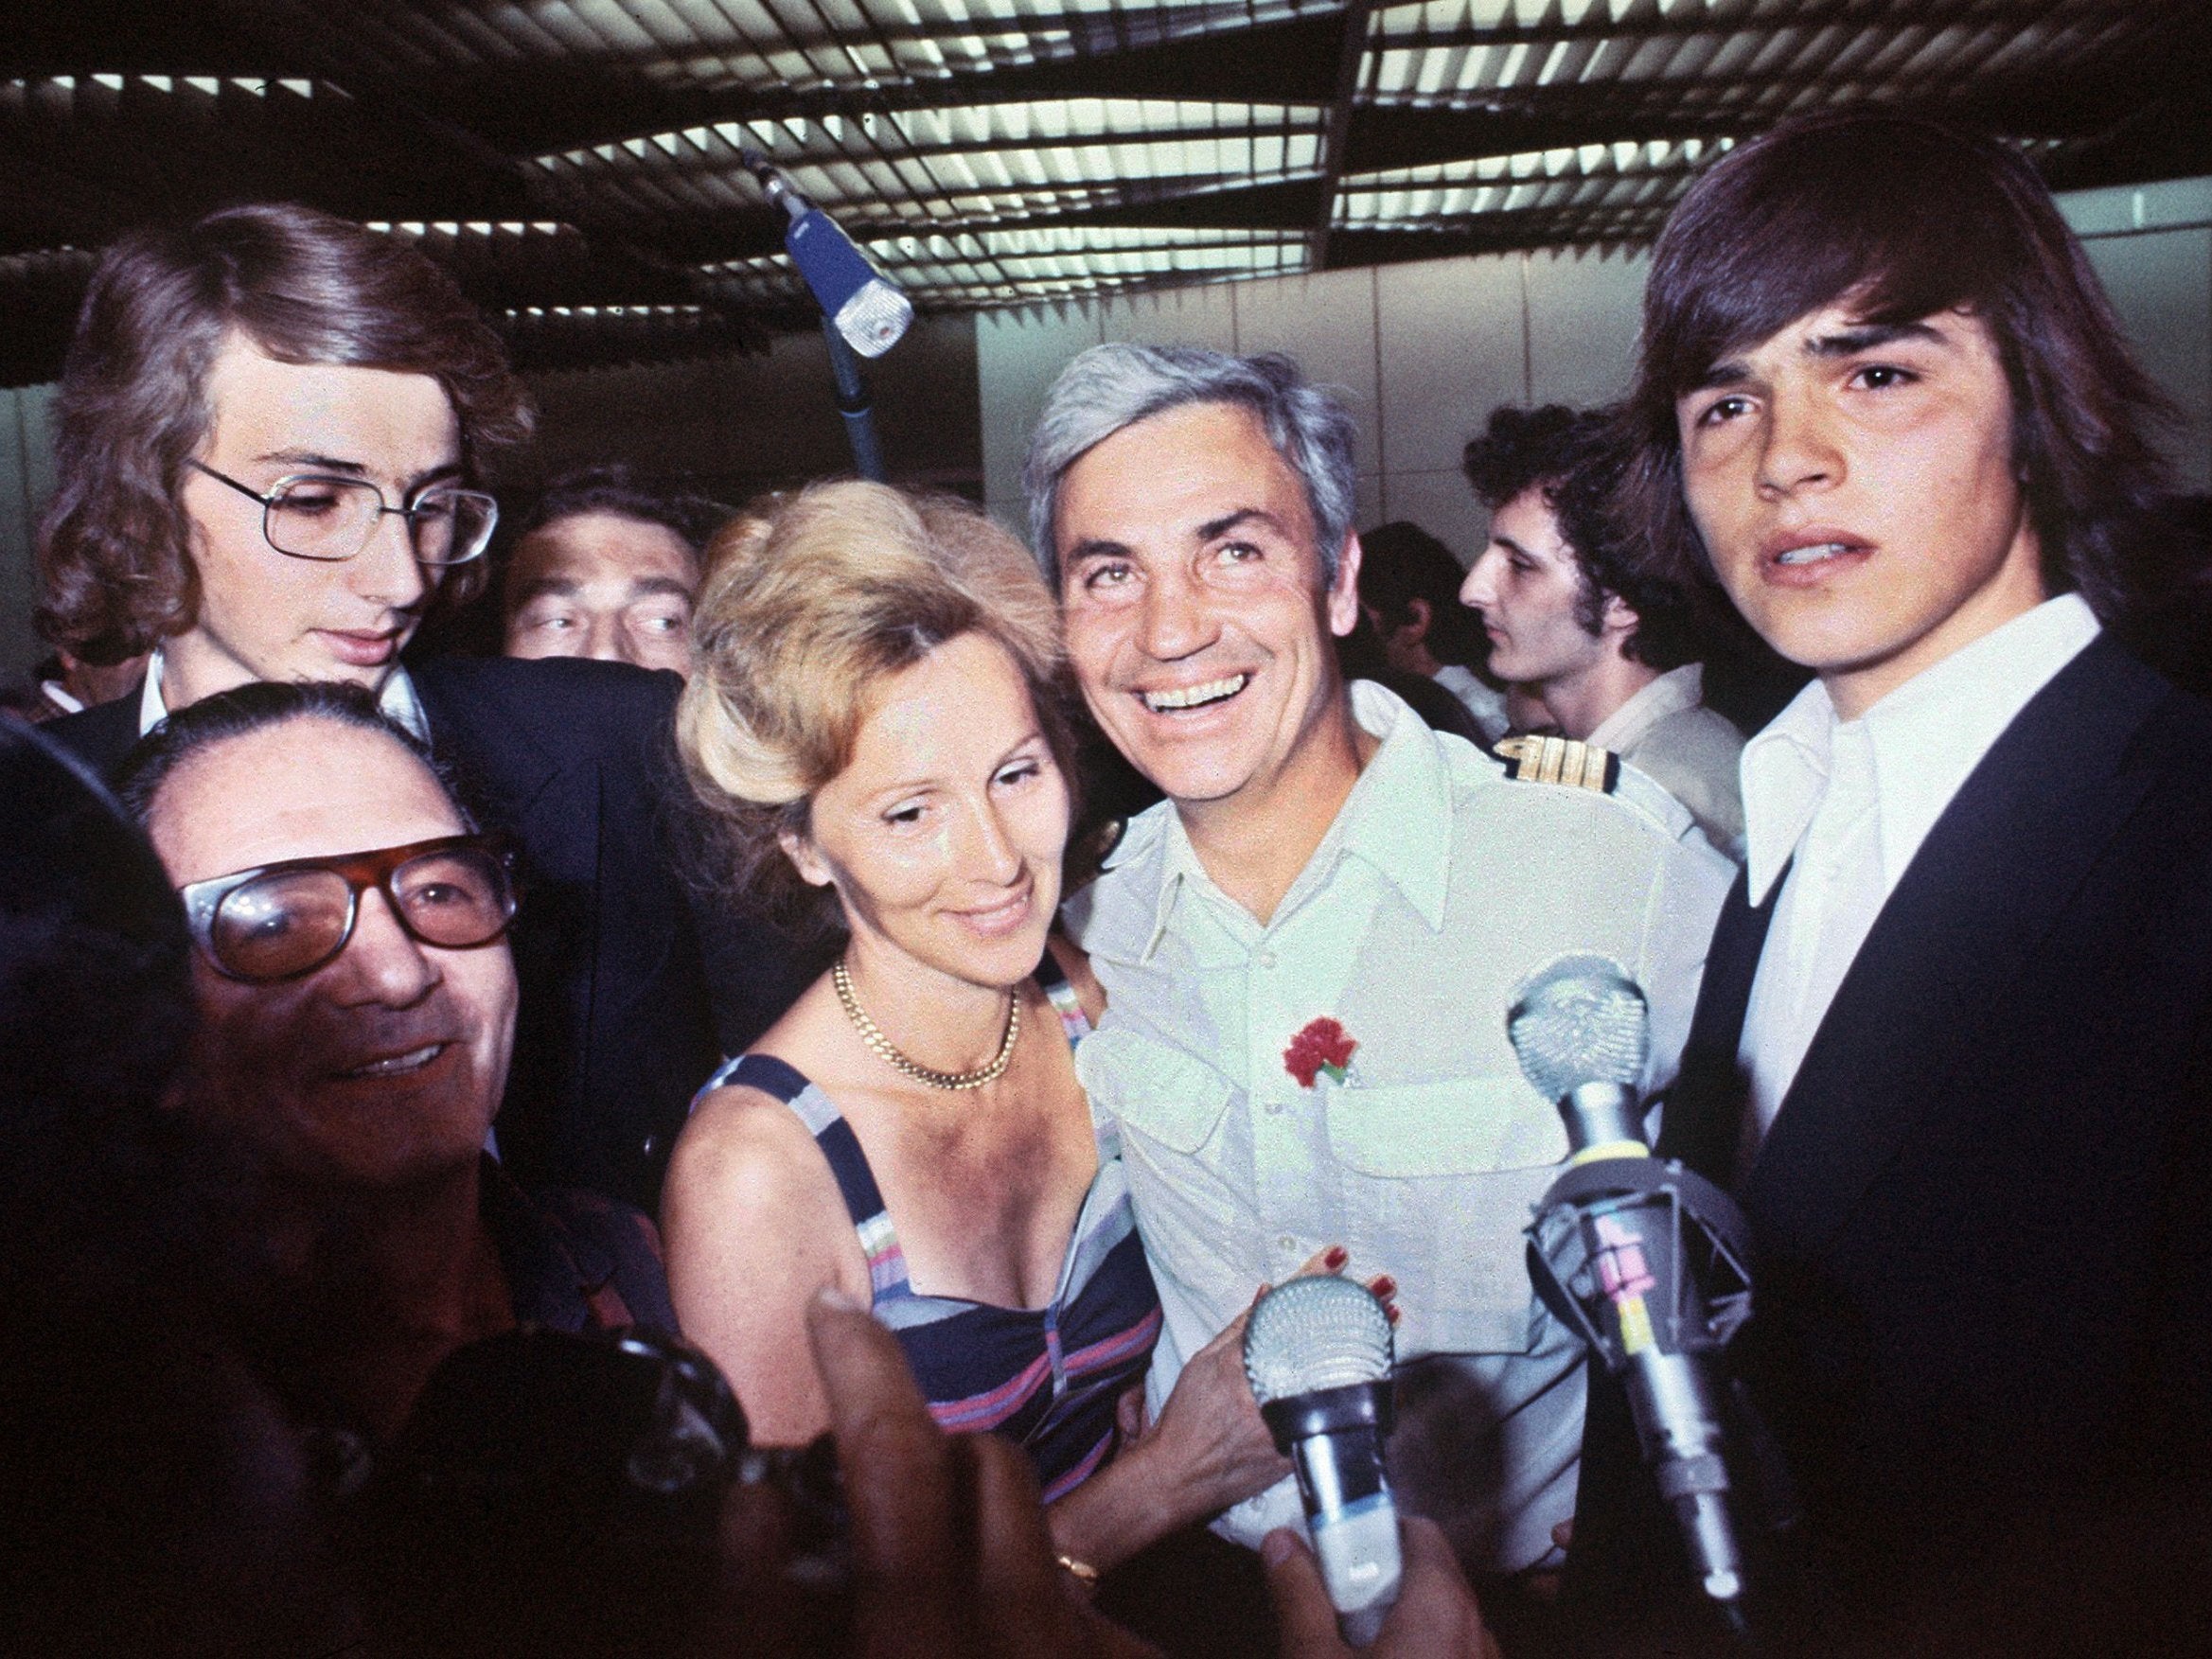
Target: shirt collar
<point>1672,691</point>
<point>1926,736</point>
<point>1394,819</point>
<point>398,698</point>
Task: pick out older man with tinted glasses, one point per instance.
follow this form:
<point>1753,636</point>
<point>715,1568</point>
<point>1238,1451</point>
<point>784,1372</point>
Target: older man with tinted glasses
<point>357,1013</point>
<point>271,435</point>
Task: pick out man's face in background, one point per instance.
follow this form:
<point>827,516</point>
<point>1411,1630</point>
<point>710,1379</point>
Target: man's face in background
<point>605,586</point>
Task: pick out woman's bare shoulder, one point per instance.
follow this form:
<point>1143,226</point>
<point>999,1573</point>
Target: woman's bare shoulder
<point>745,1146</point>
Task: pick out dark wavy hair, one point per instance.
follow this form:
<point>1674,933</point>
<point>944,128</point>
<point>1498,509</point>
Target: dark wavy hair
<point>303,287</point>
<point>1577,459</point>
<point>1902,217</point>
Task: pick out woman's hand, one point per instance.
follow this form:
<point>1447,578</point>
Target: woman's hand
<point>1211,1432</point>
<point>1209,1449</point>
<point>951,1553</point>
<point>1210,1443</point>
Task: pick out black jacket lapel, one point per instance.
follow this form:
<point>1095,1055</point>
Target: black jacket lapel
<point>1704,1117</point>
<point>101,736</point>
<point>1977,900</point>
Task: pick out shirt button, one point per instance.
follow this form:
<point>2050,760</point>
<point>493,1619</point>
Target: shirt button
<point>1266,959</point>
<point>1286,1243</point>
<point>1274,1108</point>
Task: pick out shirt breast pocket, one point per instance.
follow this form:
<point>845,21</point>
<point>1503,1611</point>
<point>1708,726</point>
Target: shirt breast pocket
<point>1166,1110</point>
<point>1439,1181</point>
<point>1159,1091</point>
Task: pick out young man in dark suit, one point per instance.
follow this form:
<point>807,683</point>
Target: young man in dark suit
<point>270,430</point>
<point>1954,1048</point>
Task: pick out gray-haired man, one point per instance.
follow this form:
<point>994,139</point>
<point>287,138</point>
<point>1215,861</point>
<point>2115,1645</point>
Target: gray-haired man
<point>1324,857</point>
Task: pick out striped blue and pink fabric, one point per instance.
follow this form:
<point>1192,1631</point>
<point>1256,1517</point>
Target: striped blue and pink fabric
<point>1046,1377</point>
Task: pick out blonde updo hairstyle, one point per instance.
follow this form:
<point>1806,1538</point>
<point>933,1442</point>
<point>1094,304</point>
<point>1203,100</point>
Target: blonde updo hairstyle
<point>807,608</point>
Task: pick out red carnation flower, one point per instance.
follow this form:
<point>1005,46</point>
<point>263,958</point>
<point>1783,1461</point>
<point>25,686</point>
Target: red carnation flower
<point>1322,1047</point>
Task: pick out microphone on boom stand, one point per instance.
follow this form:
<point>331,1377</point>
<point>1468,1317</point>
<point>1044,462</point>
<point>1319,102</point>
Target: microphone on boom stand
<point>862,309</point>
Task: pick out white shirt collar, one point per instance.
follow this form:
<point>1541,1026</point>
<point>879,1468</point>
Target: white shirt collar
<point>1672,691</point>
<point>1392,819</point>
<point>1926,736</point>
<point>398,698</point>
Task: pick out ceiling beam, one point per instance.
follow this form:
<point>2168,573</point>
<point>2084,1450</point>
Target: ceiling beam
<point>1337,129</point>
<point>548,108</point>
<point>1527,230</point>
<point>1897,16</point>
<point>397,100</point>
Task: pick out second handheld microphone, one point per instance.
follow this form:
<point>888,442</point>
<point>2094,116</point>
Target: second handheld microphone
<point>1645,1259</point>
<point>1318,1351</point>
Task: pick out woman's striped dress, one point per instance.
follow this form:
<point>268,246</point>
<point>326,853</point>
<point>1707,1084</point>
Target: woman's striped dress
<point>1046,1377</point>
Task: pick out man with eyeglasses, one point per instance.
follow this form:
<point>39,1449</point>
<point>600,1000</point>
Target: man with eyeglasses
<point>270,435</point>
<point>357,1009</point>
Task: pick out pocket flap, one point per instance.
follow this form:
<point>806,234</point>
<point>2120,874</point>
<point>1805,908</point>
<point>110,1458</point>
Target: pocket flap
<point>1475,1125</point>
<point>1152,1088</point>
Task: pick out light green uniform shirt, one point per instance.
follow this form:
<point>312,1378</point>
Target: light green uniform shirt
<point>1437,888</point>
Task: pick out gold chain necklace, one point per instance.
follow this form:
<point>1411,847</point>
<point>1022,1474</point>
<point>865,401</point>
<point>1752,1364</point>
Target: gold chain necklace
<point>885,1050</point>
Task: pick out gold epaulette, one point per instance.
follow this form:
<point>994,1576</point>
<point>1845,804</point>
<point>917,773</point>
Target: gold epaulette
<point>1559,760</point>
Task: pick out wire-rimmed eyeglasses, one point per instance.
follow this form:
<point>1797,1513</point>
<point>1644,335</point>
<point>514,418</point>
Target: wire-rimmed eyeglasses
<point>313,515</point>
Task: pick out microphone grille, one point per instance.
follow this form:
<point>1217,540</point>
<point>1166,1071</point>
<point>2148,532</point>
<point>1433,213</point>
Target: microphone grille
<point>1581,1019</point>
<point>1318,1331</point>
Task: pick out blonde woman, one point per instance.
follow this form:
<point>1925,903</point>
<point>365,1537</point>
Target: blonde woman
<point>873,715</point>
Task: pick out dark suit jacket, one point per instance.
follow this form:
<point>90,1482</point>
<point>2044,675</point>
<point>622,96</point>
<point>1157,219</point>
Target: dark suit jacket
<point>1983,1303</point>
<point>620,1020</point>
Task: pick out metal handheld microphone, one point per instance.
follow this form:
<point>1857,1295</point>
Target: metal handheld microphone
<point>1645,1257</point>
<point>1318,1351</point>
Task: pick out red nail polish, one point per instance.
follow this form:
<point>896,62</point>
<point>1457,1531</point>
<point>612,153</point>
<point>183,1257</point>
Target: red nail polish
<point>1385,1287</point>
<point>1337,1256</point>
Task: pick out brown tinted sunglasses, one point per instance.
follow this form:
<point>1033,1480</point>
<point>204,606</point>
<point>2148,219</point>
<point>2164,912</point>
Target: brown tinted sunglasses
<point>283,921</point>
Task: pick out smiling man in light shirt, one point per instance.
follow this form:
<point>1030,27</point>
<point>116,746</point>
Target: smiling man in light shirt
<point>1953,1049</point>
<point>1322,854</point>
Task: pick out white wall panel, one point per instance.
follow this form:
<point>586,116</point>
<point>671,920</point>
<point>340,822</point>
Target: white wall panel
<point>1175,317</point>
<point>1583,316</point>
<point>1451,347</point>
<point>2161,285</point>
<point>1328,322</point>
<point>1018,356</point>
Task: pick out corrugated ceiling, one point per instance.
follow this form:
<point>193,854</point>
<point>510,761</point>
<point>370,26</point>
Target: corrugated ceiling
<point>576,161</point>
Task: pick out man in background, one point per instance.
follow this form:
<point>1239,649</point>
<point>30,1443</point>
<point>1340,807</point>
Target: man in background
<point>1608,650</point>
<point>606,567</point>
<point>1409,587</point>
<point>69,684</point>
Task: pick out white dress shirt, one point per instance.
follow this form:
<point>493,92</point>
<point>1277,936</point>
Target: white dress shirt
<point>1688,749</point>
<point>398,698</point>
<point>1850,801</point>
<point>1439,886</point>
